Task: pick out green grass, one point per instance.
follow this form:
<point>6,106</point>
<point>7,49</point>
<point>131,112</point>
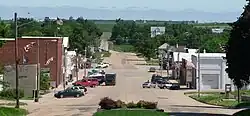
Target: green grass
<point>6,111</point>
<point>216,98</point>
<point>242,92</point>
<point>123,48</point>
<point>106,54</point>
<point>130,113</point>
<point>153,62</point>
<point>242,113</point>
<point>106,27</point>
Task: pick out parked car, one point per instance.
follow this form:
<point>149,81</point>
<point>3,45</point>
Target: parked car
<point>152,69</point>
<point>148,85</point>
<point>110,79</point>
<point>79,88</point>
<point>102,65</point>
<point>156,78</point>
<point>99,77</point>
<point>69,93</point>
<point>170,84</point>
<point>87,82</point>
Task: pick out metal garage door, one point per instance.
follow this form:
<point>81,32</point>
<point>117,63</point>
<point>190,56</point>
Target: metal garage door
<point>210,81</point>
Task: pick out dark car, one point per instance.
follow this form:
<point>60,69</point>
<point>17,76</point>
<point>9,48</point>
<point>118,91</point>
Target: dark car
<point>152,69</point>
<point>110,79</point>
<point>69,93</point>
<point>156,78</point>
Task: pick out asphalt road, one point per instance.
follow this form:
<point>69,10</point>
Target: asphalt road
<point>128,88</point>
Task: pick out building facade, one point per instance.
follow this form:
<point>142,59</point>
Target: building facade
<point>50,54</point>
<point>212,71</point>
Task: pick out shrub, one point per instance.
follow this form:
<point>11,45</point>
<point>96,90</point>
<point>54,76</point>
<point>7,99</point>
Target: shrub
<point>131,105</point>
<point>140,104</point>
<point>11,93</point>
<point>120,104</point>
<point>107,103</point>
<point>150,105</point>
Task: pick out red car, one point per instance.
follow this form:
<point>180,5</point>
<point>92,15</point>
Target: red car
<point>87,83</point>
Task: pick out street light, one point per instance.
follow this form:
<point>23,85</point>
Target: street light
<point>85,62</point>
<point>76,64</point>
<point>16,56</point>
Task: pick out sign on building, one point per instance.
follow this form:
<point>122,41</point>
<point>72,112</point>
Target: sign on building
<point>157,31</point>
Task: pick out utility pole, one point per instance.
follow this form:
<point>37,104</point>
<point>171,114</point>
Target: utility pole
<point>199,72</point>
<point>38,72</point>
<point>64,62</point>
<point>76,66</point>
<point>162,64</point>
<point>85,63</point>
<point>17,61</point>
<point>178,64</point>
<point>168,63</point>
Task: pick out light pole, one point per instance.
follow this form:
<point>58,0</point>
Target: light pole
<point>17,61</point>
<point>85,62</point>
<point>199,73</point>
<point>64,62</point>
<point>76,65</point>
<point>16,56</point>
<point>38,72</point>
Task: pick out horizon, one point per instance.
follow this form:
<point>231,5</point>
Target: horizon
<point>126,13</point>
<point>167,5</point>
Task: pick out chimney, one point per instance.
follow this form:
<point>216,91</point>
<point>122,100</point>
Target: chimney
<point>204,51</point>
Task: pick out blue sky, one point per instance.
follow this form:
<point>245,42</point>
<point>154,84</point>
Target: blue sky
<point>171,5</point>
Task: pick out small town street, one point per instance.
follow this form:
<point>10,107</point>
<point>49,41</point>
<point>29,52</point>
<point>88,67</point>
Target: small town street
<point>128,88</point>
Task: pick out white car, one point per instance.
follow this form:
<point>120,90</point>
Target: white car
<point>103,65</point>
<point>170,84</point>
<point>148,85</point>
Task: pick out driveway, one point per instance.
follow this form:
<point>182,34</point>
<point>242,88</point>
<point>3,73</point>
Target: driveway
<point>128,88</point>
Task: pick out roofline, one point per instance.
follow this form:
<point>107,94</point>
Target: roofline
<point>7,39</point>
<point>34,37</point>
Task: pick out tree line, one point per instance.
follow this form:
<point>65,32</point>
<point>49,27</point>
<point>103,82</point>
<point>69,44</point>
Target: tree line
<point>138,35</point>
<point>82,32</point>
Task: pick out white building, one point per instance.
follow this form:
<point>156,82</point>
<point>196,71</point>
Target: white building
<point>212,71</point>
<point>218,30</point>
<point>70,62</point>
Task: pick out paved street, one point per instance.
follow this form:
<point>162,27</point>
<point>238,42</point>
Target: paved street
<point>128,88</point>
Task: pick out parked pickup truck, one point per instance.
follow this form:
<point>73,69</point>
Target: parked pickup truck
<point>87,83</point>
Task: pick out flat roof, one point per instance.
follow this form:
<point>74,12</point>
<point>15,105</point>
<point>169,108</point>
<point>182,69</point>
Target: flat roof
<point>7,39</point>
<point>37,37</point>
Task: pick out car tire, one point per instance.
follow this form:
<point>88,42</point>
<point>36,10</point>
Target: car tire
<point>77,95</point>
<point>143,87</point>
<point>61,96</point>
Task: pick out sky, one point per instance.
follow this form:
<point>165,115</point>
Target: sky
<point>170,5</point>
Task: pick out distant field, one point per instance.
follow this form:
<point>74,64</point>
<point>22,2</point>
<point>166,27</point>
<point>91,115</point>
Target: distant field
<point>106,26</point>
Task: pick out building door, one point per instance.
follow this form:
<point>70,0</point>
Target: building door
<point>210,81</point>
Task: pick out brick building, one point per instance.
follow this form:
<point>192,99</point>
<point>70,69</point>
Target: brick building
<point>51,51</point>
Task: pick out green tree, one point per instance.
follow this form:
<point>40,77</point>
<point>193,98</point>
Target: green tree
<point>44,81</point>
<point>4,31</point>
<point>237,46</point>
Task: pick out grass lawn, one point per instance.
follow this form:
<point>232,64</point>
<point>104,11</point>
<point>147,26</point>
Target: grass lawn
<point>6,111</point>
<point>130,113</point>
<point>216,98</point>
<point>123,48</point>
<point>106,54</point>
<point>242,113</point>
